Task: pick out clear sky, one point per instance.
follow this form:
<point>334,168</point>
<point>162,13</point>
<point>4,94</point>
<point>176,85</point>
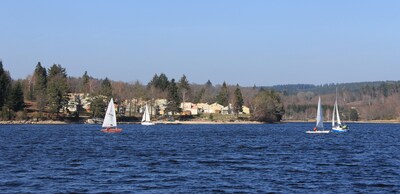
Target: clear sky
<point>261,42</point>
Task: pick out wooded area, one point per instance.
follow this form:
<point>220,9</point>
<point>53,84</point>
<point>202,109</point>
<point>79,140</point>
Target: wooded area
<point>44,93</point>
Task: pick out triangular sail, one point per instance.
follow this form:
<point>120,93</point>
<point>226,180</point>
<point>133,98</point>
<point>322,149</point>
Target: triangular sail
<point>110,119</point>
<point>333,116</point>
<point>320,116</point>
<point>146,115</point>
<point>336,113</point>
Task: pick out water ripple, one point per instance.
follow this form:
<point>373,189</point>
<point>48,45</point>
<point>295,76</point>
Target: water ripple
<point>199,159</point>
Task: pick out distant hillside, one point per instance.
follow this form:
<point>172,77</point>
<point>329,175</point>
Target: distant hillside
<point>292,89</point>
<point>378,100</point>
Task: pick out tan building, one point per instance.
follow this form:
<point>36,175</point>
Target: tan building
<point>216,108</point>
<point>189,107</point>
<point>246,110</point>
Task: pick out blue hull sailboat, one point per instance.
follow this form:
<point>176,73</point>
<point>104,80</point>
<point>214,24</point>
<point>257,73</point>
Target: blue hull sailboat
<point>337,125</point>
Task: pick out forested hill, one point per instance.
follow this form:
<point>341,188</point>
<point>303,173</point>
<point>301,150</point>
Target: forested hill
<point>378,100</point>
<point>292,89</point>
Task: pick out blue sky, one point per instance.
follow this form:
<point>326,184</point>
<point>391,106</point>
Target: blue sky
<point>264,42</point>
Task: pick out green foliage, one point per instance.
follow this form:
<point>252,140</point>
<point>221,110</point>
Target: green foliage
<point>353,115</point>
<point>174,101</point>
<point>106,88</point>
<point>16,98</point>
<point>40,77</point>
<point>98,107</point>
<point>267,107</point>
<point>198,96</point>
<point>5,85</point>
<point>86,82</point>
<point>40,87</point>
<point>209,84</point>
<point>160,82</point>
<point>238,104</point>
<point>57,88</point>
<point>223,95</point>
<point>211,117</point>
<point>184,88</point>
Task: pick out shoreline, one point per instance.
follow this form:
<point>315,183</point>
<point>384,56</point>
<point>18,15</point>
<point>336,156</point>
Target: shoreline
<point>50,122</point>
<point>367,121</point>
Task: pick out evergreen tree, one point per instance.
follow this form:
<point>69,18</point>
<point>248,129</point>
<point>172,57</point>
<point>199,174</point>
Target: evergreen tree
<point>106,89</point>
<point>160,82</point>
<point>267,107</point>
<point>199,95</point>
<point>86,83</point>
<point>184,88</point>
<point>5,85</point>
<point>173,99</point>
<point>40,87</point>
<point>209,84</point>
<point>238,104</point>
<point>163,82</point>
<point>57,88</point>
<point>98,107</point>
<point>354,115</point>
<point>223,95</point>
<point>16,98</point>
<point>208,95</point>
<point>40,77</point>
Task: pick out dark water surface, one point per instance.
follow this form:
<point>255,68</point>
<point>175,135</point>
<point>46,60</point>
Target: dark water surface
<point>279,158</point>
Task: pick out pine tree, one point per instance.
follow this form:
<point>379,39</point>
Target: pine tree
<point>223,95</point>
<point>184,88</point>
<point>98,107</point>
<point>40,87</point>
<point>16,98</point>
<point>86,83</point>
<point>5,85</point>
<point>173,98</point>
<point>57,88</point>
<point>238,104</point>
<point>208,95</point>
<point>267,107</point>
<point>106,89</point>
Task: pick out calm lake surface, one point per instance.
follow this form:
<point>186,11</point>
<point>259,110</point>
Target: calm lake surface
<point>278,158</point>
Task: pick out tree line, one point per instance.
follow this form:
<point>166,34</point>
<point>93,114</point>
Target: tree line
<point>44,94</point>
<point>357,101</point>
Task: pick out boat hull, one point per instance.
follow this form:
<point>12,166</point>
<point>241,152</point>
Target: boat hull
<point>318,131</point>
<point>339,130</point>
<point>111,130</point>
<point>147,123</point>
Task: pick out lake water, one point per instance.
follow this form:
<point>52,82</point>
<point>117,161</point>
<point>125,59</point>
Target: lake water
<point>278,158</point>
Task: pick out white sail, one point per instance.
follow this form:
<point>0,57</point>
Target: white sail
<point>110,119</point>
<point>336,113</point>
<point>320,116</point>
<point>146,115</point>
<point>333,115</point>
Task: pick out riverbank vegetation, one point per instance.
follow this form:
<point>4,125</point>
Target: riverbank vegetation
<point>44,94</point>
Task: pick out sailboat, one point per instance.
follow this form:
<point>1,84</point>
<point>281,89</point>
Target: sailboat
<point>146,117</point>
<point>319,126</point>
<point>337,125</point>
<point>110,119</point>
